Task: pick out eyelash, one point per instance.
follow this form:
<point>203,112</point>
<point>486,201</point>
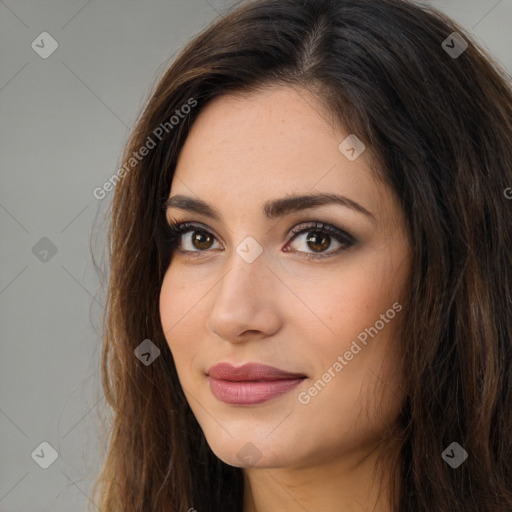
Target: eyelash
<point>176,229</point>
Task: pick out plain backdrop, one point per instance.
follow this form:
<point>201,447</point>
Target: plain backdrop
<point>63,122</point>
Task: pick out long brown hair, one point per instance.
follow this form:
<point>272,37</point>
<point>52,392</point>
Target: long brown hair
<point>440,127</point>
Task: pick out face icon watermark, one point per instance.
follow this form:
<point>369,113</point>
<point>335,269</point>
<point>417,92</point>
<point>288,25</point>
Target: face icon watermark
<point>147,352</point>
<point>44,45</point>
<point>454,455</point>
<point>249,249</point>
<point>454,45</point>
<point>44,455</point>
<point>249,454</point>
<point>44,250</point>
<point>351,147</point>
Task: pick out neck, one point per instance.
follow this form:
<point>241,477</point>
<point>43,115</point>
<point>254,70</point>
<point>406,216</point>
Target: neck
<point>350,484</point>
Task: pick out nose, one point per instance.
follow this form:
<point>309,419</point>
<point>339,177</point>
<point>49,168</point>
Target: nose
<point>245,304</point>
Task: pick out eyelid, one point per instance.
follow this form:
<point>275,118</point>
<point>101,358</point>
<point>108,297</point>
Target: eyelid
<point>174,223</point>
<point>321,226</point>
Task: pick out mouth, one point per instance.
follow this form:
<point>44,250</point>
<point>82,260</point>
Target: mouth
<point>251,383</point>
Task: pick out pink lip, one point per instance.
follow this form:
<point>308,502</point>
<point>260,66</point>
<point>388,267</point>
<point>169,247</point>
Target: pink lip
<point>251,383</point>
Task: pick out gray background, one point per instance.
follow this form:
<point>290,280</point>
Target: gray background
<point>63,123</point>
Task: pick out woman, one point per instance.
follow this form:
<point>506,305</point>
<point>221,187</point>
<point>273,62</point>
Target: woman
<point>309,304</point>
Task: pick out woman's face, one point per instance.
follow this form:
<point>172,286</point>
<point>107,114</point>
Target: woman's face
<point>321,307</point>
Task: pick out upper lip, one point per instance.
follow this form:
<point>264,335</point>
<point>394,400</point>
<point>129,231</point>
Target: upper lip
<point>250,372</point>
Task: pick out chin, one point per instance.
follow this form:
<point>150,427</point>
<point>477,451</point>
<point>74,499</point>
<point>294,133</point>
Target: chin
<point>252,451</point>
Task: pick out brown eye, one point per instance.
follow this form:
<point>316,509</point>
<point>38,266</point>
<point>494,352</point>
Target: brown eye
<point>193,238</point>
<point>318,242</point>
<point>317,238</point>
<point>190,238</point>
<point>202,240</point>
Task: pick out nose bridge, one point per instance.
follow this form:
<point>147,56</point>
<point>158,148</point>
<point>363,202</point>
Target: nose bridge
<point>244,300</point>
<point>248,270</point>
<point>247,261</point>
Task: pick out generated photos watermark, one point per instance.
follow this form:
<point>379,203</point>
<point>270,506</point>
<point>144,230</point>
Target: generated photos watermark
<point>158,133</point>
<point>304,397</point>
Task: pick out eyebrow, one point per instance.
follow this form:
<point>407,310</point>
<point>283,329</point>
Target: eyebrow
<point>272,208</point>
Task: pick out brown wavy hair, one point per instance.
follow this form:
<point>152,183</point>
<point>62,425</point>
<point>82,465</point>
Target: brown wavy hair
<point>440,129</point>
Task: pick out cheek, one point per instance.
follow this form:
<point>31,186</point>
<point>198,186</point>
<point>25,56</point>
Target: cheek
<point>167,306</point>
<point>177,305</point>
<point>180,297</point>
<point>350,298</point>
<point>350,301</point>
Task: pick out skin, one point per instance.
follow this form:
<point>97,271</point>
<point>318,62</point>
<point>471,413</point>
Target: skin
<point>284,310</point>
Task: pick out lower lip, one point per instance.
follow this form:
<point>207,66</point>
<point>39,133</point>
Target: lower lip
<point>250,392</point>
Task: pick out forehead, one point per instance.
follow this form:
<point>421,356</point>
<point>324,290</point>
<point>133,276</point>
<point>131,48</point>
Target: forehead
<point>244,148</point>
